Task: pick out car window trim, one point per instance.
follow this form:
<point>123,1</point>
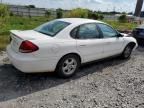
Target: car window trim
<point>78,27</point>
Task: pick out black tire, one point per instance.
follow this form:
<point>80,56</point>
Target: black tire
<point>127,52</point>
<point>64,69</point>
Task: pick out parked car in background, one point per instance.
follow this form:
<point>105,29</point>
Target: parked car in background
<point>62,45</point>
<point>138,33</point>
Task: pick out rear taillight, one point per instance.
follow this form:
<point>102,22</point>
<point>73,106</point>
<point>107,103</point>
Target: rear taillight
<point>27,47</point>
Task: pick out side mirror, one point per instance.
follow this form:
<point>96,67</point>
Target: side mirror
<point>119,35</point>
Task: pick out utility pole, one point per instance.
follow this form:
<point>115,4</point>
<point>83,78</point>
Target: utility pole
<point>1,1</point>
<point>138,8</point>
<point>114,9</point>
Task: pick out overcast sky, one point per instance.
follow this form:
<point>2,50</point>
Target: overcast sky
<point>103,5</point>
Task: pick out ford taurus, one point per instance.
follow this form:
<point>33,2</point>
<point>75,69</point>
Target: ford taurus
<point>62,45</point>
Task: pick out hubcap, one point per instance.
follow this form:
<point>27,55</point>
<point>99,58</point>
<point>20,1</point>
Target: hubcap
<point>127,52</point>
<point>69,66</point>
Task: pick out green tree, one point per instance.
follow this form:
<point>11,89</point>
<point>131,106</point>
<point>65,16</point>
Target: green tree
<point>11,14</point>
<point>95,16</point>
<point>31,6</point>
<point>4,14</point>
<point>78,13</point>
<point>101,17</point>
<point>59,13</point>
<point>90,14</point>
<point>48,13</point>
<point>122,18</point>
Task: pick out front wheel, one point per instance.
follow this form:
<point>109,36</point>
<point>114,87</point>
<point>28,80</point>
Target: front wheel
<point>68,66</point>
<point>127,52</point>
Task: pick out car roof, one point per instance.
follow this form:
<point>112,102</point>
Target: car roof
<point>79,20</point>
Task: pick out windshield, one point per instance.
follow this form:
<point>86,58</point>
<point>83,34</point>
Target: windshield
<point>52,28</point>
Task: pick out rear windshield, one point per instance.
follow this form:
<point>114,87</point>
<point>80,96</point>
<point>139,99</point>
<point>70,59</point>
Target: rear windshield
<point>52,28</point>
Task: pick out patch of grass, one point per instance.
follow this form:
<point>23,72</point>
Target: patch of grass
<point>4,41</point>
<point>18,23</point>
<point>22,23</point>
<point>122,26</point>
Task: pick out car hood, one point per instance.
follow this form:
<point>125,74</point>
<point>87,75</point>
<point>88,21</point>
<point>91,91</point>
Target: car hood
<point>125,35</point>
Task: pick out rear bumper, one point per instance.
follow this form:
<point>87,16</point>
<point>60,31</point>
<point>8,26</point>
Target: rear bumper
<point>29,64</point>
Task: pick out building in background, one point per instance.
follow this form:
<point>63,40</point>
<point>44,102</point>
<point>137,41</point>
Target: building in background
<point>26,11</point>
<point>29,11</point>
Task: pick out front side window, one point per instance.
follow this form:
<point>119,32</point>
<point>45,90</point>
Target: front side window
<point>52,28</point>
<point>107,31</point>
<point>88,31</point>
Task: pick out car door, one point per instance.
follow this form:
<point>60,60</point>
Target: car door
<point>88,42</point>
<point>113,44</point>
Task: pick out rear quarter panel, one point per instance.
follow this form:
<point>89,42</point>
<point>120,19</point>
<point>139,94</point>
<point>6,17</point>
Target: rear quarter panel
<point>55,48</point>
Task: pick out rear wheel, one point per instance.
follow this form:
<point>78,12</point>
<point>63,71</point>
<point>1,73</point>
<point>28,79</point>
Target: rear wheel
<point>68,66</point>
<point>127,52</point>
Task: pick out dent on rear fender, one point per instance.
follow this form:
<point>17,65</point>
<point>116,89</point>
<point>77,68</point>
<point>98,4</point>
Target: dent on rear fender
<point>55,49</point>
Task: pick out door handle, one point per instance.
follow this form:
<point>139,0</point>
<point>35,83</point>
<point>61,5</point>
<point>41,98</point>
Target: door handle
<point>82,45</point>
<point>108,43</point>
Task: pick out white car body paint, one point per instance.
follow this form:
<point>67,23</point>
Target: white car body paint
<point>52,49</point>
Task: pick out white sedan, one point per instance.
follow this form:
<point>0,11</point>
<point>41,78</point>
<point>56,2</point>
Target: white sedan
<point>62,45</point>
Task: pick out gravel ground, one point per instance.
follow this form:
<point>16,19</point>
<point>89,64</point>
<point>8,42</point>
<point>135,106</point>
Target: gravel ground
<point>112,83</point>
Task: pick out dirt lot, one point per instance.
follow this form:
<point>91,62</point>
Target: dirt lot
<point>111,83</point>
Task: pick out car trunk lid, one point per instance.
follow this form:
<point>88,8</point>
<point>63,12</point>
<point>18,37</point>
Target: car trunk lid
<point>19,36</point>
